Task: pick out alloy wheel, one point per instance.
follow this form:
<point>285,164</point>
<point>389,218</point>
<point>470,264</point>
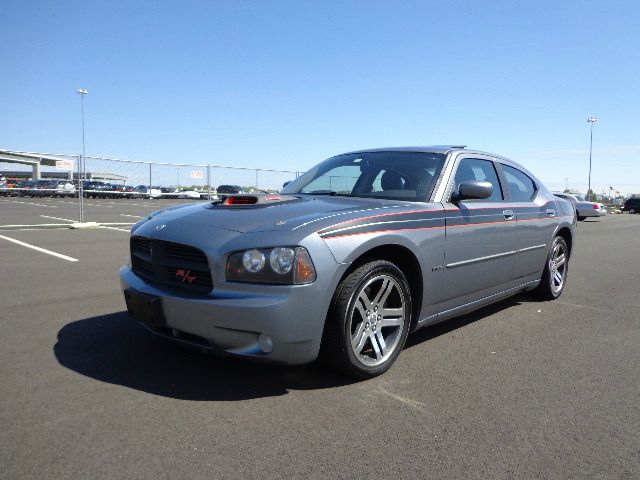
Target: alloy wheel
<point>377,320</point>
<point>558,266</point>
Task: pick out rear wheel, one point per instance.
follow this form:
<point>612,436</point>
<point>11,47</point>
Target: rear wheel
<point>632,211</point>
<point>580,218</point>
<point>368,321</point>
<point>555,272</point>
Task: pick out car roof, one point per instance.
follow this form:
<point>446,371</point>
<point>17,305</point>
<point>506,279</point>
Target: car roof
<point>424,149</point>
<point>439,149</point>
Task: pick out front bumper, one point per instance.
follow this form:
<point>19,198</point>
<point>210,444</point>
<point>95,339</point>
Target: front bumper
<point>281,324</point>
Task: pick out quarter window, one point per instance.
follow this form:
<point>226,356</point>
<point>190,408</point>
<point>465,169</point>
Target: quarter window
<point>473,169</point>
<point>521,187</point>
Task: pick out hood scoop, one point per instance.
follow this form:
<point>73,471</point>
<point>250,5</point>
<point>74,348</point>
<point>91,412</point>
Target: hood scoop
<point>257,200</point>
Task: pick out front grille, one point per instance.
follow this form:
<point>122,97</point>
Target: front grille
<point>171,265</point>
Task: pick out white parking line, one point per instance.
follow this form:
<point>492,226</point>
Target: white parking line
<point>32,203</point>
<point>133,216</point>
<point>43,250</point>
<point>114,228</point>
<point>58,218</point>
<point>31,229</point>
<point>98,205</point>
<point>31,225</point>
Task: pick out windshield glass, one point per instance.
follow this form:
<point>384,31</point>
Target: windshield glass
<point>408,176</point>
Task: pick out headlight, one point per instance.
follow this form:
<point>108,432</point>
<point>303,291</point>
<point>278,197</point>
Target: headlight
<point>285,266</point>
<point>281,260</point>
<point>253,261</point>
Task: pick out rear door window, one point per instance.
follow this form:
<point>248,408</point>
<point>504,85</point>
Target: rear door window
<point>521,187</point>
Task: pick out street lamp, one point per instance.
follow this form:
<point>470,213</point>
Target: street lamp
<point>82,92</point>
<point>590,121</point>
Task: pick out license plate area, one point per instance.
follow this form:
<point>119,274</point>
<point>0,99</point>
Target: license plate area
<point>145,308</point>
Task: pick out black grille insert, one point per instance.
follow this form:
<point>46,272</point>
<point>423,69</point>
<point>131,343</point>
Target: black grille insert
<point>171,265</point>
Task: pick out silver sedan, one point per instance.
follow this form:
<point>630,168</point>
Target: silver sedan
<point>584,209</point>
<point>349,258</point>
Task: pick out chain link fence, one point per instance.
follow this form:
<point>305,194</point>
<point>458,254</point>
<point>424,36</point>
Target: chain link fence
<point>63,188</point>
<point>110,191</point>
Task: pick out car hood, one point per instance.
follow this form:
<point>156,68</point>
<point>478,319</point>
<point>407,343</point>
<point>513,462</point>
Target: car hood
<point>306,214</point>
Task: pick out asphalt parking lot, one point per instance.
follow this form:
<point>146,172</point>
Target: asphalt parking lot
<point>522,389</point>
<point>25,211</point>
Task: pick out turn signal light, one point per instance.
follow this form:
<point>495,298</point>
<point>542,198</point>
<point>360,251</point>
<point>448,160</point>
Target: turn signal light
<point>304,273</point>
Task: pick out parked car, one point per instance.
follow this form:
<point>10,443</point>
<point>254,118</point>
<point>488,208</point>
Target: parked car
<point>4,188</point>
<point>42,188</point>
<point>123,191</point>
<point>190,194</point>
<point>350,257</point>
<point>226,189</point>
<point>583,208</point>
<point>62,188</point>
<point>205,195</point>
<point>590,209</point>
<point>24,188</point>
<point>169,192</point>
<point>631,205</point>
<point>146,192</point>
<point>96,189</point>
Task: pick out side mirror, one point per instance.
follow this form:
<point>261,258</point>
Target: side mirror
<point>473,190</point>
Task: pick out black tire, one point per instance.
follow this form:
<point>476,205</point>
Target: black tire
<point>548,289</point>
<point>632,211</point>
<point>367,359</point>
<point>580,218</point>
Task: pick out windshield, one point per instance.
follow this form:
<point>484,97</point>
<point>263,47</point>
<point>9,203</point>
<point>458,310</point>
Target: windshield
<point>408,176</point>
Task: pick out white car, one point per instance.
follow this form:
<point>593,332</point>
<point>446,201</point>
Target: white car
<point>64,188</point>
<point>590,209</point>
<point>146,192</point>
<point>190,194</point>
<point>584,209</point>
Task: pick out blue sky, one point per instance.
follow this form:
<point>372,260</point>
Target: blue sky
<point>284,84</point>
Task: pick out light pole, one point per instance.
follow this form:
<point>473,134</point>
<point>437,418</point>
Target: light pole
<point>590,121</point>
<point>82,92</point>
<point>566,184</point>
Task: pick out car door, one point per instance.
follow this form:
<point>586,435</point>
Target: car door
<point>535,222</point>
<point>480,238</point>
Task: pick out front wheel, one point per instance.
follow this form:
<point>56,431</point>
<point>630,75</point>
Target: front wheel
<point>555,272</point>
<point>369,320</point>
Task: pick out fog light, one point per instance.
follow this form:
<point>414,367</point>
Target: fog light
<point>265,343</point>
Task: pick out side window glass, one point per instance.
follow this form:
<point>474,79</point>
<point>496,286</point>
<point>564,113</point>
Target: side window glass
<point>521,187</point>
<point>470,169</point>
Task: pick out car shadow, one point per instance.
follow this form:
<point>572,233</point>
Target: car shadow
<point>434,331</point>
<point>115,349</point>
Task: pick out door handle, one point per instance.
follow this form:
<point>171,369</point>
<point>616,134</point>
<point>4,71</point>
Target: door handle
<point>551,212</point>
<point>508,214</point>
